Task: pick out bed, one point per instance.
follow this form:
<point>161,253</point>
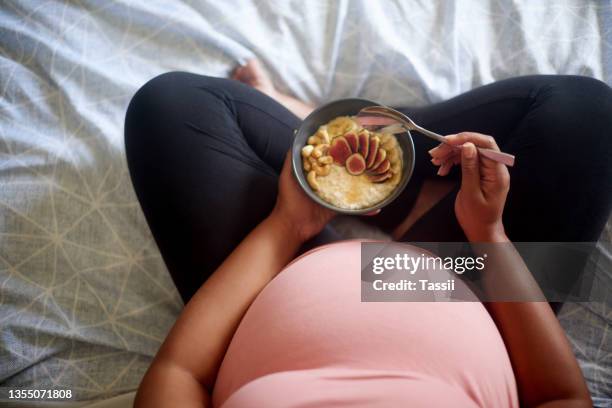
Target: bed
<point>85,299</point>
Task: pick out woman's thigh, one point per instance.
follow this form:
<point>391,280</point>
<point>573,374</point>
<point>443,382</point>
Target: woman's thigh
<point>204,155</point>
<point>494,109</point>
<point>559,128</point>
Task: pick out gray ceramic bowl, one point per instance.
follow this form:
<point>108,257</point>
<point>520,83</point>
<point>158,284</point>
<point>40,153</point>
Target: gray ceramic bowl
<point>322,115</point>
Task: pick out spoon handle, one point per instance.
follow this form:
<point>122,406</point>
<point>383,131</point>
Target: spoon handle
<point>395,125</point>
<point>494,155</point>
<point>501,157</point>
<point>428,133</point>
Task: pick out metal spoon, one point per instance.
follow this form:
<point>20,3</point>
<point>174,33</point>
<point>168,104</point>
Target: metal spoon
<point>407,123</point>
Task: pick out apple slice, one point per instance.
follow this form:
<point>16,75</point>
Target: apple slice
<point>372,151</point>
<point>364,143</point>
<point>379,178</point>
<point>382,167</point>
<point>353,142</point>
<point>340,150</point>
<point>355,164</point>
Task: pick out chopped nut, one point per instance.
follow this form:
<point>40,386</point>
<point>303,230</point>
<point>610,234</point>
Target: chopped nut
<point>321,170</point>
<point>326,160</point>
<point>307,165</point>
<point>320,150</point>
<point>312,180</point>
<point>313,140</point>
<point>307,150</point>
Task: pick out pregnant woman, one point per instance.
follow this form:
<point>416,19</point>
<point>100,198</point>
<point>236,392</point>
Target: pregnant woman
<point>262,328</point>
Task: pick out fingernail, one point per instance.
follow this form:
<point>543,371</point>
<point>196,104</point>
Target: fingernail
<point>469,150</point>
<point>439,173</point>
<point>375,212</point>
<point>430,151</point>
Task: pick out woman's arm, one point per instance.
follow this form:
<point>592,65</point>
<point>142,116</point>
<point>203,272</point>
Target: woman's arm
<point>547,372</point>
<point>185,368</point>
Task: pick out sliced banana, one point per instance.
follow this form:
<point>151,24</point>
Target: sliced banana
<point>323,135</point>
<point>389,142</point>
<point>393,156</point>
<point>384,137</point>
<point>341,125</point>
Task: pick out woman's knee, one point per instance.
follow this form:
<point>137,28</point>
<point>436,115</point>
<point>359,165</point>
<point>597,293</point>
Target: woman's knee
<point>162,94</point>
<point>169,100</point>
<point>153,102</point>
<point>579,100</point>
<point>573,109</point>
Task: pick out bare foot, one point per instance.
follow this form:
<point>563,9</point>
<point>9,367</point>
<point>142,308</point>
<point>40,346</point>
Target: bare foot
<point>254,74</point>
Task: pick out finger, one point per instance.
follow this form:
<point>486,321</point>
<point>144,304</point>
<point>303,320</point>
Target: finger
<point>445,168</point>
<point>371,213</point>
<point>477,139</point>
<point>449,157</point>
<point>441,150</point>
<point>470,171</point>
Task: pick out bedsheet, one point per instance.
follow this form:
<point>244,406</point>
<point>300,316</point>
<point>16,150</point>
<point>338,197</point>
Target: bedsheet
<point>85,299</point>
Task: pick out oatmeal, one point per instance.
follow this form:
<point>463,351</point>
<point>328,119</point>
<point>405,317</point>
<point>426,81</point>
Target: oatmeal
<point>351,167</point>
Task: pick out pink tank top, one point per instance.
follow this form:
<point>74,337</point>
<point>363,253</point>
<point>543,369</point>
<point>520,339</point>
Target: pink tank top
<point>308,341</point>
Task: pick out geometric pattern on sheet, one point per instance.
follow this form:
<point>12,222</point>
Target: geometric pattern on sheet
<point>85,299</point>
<point>589,326</point>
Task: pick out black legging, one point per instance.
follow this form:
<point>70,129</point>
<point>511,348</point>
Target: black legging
<point>205,153</point>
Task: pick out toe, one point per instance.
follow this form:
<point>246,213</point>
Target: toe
<point>236,72</point>
<point>255,71</point>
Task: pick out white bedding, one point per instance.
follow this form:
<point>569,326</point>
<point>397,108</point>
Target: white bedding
<point>85,299</point>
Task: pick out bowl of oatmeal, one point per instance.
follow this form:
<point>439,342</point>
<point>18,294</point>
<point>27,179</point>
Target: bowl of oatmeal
<point>346,167</point>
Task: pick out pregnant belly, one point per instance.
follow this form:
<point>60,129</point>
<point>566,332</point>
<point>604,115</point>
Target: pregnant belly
<point>325,387</point>
<point>311,317</point>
